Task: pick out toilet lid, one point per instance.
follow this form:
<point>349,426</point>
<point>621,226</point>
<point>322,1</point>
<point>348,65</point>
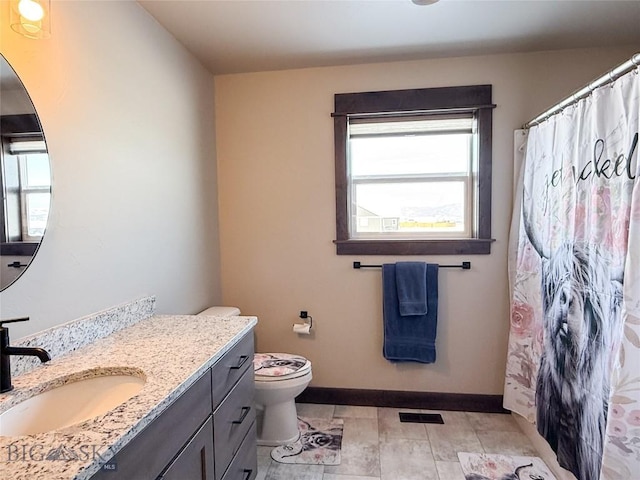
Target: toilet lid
<point>279,366</point>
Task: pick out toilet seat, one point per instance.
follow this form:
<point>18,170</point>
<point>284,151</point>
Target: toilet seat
<point>276,367</point>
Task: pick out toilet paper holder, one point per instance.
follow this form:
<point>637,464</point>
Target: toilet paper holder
<point>308,319</point>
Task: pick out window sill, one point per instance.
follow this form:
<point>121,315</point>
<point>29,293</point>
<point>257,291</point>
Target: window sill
<point>472,246</point>
<point>19,249</point>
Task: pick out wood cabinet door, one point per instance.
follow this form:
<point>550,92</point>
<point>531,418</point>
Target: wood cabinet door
<point>195,462</point>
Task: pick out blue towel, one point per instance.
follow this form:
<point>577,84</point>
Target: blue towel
<point>409,338</point>
<point>411,283</point>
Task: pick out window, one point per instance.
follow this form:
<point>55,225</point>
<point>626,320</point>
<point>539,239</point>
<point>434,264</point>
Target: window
<point>27,189</point>
<point>413,171</point>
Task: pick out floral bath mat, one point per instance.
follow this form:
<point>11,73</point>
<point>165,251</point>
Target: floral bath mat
<point>485,466</point>
<point>319,444</point>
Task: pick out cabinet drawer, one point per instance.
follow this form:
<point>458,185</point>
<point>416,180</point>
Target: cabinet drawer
<point>244,465</point>
<point>228,370</point>
<point>231,422</point>
<point>195,462</point>
<point>147,455</point>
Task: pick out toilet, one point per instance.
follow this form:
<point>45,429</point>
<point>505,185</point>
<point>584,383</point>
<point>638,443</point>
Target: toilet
<point>279,379</point>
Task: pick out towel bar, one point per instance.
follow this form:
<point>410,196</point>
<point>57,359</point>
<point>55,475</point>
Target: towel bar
<point>463,265</point>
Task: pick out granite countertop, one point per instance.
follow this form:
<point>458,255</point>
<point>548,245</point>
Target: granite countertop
<point>170,352</point>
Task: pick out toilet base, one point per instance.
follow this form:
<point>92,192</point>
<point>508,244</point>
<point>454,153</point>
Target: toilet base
<point>277,424</point>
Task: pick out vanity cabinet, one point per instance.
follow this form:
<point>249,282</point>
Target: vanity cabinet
<point>208,433</point>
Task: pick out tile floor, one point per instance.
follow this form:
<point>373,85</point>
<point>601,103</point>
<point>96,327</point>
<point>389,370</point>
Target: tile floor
<point>377,446</point>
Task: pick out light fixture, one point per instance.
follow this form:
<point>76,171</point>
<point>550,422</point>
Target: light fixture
<point>31,18</point>
<point>424,2</point>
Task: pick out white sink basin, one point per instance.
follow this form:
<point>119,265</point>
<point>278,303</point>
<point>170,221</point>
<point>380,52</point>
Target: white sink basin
<point>69,404</point>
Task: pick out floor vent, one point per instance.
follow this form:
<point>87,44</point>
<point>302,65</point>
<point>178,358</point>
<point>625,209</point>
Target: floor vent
<point>406,417</point>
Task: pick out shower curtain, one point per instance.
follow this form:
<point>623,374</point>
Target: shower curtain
<point>573,365</point>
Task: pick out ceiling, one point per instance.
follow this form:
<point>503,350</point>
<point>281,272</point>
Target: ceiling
<point>233,36</point>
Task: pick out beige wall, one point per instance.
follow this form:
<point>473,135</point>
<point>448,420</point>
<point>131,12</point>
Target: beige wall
<point>276,193</point>
<point>128,118</point>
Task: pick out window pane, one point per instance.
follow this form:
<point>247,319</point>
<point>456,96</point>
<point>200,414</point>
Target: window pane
<point>421,207</point>
<point>37,170</point>
<point>37,213</point>
<point>410,155</point>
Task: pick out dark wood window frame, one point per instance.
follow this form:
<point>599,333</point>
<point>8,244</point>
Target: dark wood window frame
<point>475,99</point>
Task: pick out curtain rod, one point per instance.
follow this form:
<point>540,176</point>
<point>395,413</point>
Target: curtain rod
<point>605,79</point>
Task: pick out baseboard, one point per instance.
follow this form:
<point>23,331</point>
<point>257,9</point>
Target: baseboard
<point>401,399</point>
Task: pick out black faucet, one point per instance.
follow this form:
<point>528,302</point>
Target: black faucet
<point>6,351</point>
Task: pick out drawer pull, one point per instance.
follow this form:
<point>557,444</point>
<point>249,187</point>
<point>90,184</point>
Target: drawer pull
<point>245,412</point>
<point>243,360</point>
<point>247,473</point>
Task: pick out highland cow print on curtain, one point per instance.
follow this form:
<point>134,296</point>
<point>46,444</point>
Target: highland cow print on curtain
<point>573,364</point>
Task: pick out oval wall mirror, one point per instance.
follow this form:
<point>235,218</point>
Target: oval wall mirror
<point>25,178</point>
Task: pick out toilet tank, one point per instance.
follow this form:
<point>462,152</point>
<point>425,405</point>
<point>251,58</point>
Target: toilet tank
<point>221,311</point>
